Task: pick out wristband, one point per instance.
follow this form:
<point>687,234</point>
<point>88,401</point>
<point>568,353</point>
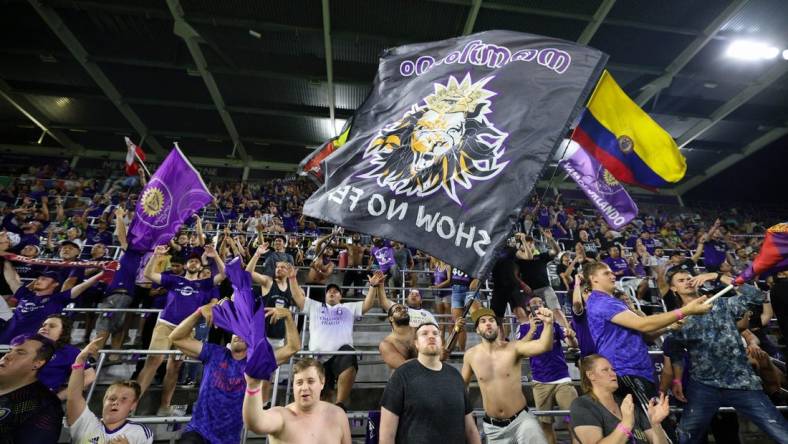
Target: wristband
<point>679,314</point>
<point>624,429</point>
<point>199,310</point>
<point>677,382</point>
<point>77,366</point>
<point>252,392</point>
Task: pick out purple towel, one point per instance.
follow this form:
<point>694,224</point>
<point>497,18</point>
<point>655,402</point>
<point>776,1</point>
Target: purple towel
<point>238,316</point>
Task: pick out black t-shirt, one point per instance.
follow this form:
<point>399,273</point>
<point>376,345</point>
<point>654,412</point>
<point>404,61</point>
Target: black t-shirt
<point>587,412</point>
<point>778,294</point>
<point>534,272</point>
<point>503,272</point>
<point>431,405</point>
<point>31,414</point>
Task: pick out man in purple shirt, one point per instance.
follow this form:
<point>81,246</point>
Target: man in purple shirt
<point>383,255</point>
<point>617,263</point>
<point>552,384</point>
<point>37,300</point>
<point>184,295</point>
<point>618,333</point>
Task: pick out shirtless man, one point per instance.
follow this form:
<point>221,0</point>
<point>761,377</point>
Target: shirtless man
<point>354,275</point>
<point>497,365</point>
<point>320,271</point>
<point>398,346</point>
<point>307,419</point>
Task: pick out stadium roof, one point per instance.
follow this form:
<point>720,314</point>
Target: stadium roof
<point>258,83</point>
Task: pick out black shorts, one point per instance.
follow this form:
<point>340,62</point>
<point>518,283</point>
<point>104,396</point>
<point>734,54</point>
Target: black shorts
<point>503,296</point>
<point>338,364</point>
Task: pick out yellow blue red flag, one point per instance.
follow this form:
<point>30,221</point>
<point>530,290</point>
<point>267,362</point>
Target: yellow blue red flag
<point>626,140</point>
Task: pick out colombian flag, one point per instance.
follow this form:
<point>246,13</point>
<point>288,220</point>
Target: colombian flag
<point>634,148</point>
<point>773,256</point>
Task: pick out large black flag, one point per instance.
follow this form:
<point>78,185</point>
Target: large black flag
<point>450,142</point>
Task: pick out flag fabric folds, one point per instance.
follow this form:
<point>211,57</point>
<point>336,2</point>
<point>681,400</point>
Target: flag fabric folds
<point>134,155</point>
<point>311,165</point>
<point>450,142</point>
<point>173,193</point>
<point>773,256</point>
<point>626,140</point>
<point>607,194</point>
<point>240,317</point>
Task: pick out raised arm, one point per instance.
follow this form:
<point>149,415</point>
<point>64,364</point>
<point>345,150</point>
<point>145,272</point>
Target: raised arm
<point>77,290</point>
<point>646,324</point>
<point>545,342</point>
<point>120,227</point>
<point>369,301</point>
<point>376,286</point>
<point>11,276</point>
<point>292,338</point>
<point>577,296</point>
<point>149,274</point>
<point>299,298</point>
<point>257,278</point>
<point>211,253</point>
<point>182,338</point>
<point>259,421</point>
<point>75,403</point>
<point>198,230</point>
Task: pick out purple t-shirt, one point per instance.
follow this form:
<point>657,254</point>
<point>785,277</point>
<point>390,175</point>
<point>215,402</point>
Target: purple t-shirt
<point>618,264</point>
<point>623,347</point>
<point>583,334</point>
<point>714,253</point>
<point>56,372</point>
<point>217,413</point>
<point>384,256</point>
<point>550,366</point>
<point>31,310</point>
<point>459,277</point>
<point>184,296</point>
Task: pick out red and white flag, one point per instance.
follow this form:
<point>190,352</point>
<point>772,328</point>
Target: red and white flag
<point>134,155</point>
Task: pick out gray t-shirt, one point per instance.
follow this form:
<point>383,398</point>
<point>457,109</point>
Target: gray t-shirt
<point>269,266</point>
<point>585,411</point>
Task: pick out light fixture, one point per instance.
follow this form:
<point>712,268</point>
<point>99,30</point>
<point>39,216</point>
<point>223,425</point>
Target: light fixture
<point>785,54</point>
<point>751,50</point>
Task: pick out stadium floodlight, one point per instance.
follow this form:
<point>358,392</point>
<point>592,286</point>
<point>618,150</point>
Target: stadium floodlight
<point>785,54</point>
<point>751,50</point>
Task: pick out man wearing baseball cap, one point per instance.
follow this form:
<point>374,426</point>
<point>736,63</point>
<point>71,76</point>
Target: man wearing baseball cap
<point>37,300</point>
<point>331,329</point>
<point>496,364</point>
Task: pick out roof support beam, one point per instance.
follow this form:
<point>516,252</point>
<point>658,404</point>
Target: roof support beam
<point>191,37</point>
<point>753,147</point>
<point>79,52</point>
<point>776,72</point>
<point>329,66</point>
<point>708,33</point>
<point>471,20</point>
<point>37,117</point>
<point>35,150</point>
<point>596,21</point>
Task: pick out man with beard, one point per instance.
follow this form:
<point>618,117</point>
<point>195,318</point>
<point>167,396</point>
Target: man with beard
<point>216,417</point>
<point>275,293</point>
<point>184,295</point>
<point>711,340</point>
<point>497,365</point>
<point>419,387</point>
<point>416,314</point>
<point>398,346</point>
<point>306,419</point>
<point>36,301</point>
<point>120,400</point>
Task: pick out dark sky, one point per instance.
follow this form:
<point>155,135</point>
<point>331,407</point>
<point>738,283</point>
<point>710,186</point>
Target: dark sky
<point>760,178</point>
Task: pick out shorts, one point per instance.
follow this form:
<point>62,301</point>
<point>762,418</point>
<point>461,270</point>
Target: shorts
<point>338,364</point>
<point>113,322</point>
<point>548,395</point>
<point>276,343</point>
<point>548,296</point>
<point>442,296</point>
<point>460,294</point>
<point>524,429</point>
<point>506,296</point>
<point>161,337</point>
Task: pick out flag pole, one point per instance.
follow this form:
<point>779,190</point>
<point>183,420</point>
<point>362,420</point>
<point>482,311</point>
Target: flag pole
<point>142,163</point>
<point>718,294</point>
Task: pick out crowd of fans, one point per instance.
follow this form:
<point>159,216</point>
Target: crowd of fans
<point>565,292</point>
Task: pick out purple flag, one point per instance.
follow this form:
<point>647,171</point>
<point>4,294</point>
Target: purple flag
<point>239,317</point>
<point>174,193</point>
<point>607,194</point>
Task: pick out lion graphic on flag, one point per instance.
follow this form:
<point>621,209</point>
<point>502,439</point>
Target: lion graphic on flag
<point>440,142</point>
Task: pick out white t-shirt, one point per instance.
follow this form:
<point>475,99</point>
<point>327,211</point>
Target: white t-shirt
<point>331,327</point>
<point>419,316</point>
<point>87,429</point>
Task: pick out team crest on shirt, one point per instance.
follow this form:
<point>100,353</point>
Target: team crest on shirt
<point>4,413</point>
<point>440,142</point>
